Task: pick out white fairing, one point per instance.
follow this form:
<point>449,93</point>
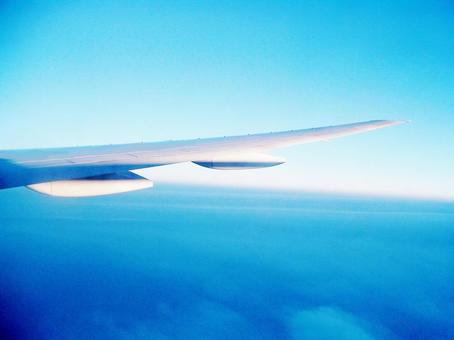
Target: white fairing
<point>89,188</point>
<point>241,161</point>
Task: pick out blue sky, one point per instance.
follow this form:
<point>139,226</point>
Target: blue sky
<point>77,73</point>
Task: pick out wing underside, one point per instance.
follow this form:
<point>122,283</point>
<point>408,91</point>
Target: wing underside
<point>29,167</point>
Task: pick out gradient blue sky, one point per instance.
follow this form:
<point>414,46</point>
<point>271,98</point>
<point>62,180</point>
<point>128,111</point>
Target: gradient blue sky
<point>76,73</point>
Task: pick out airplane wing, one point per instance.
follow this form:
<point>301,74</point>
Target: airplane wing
<point>92,171</point>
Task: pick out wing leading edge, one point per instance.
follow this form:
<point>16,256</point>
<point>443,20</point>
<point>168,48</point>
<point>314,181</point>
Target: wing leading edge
<point>27,167</point>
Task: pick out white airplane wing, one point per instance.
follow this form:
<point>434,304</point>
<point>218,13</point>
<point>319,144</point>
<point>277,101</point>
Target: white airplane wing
<point>92,171</point>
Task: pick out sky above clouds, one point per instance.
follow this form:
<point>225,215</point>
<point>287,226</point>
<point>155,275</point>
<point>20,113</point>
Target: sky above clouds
<point>101,72</point>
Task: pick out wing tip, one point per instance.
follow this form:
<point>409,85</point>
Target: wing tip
<point>387,122</point>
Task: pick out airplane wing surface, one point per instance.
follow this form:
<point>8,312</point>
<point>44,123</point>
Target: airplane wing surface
<point>91,171</point>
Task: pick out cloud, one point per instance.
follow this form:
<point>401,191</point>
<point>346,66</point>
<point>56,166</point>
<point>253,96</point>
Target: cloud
<point>327,323</point>
<point>201,320</point>
<point>185,264</point>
